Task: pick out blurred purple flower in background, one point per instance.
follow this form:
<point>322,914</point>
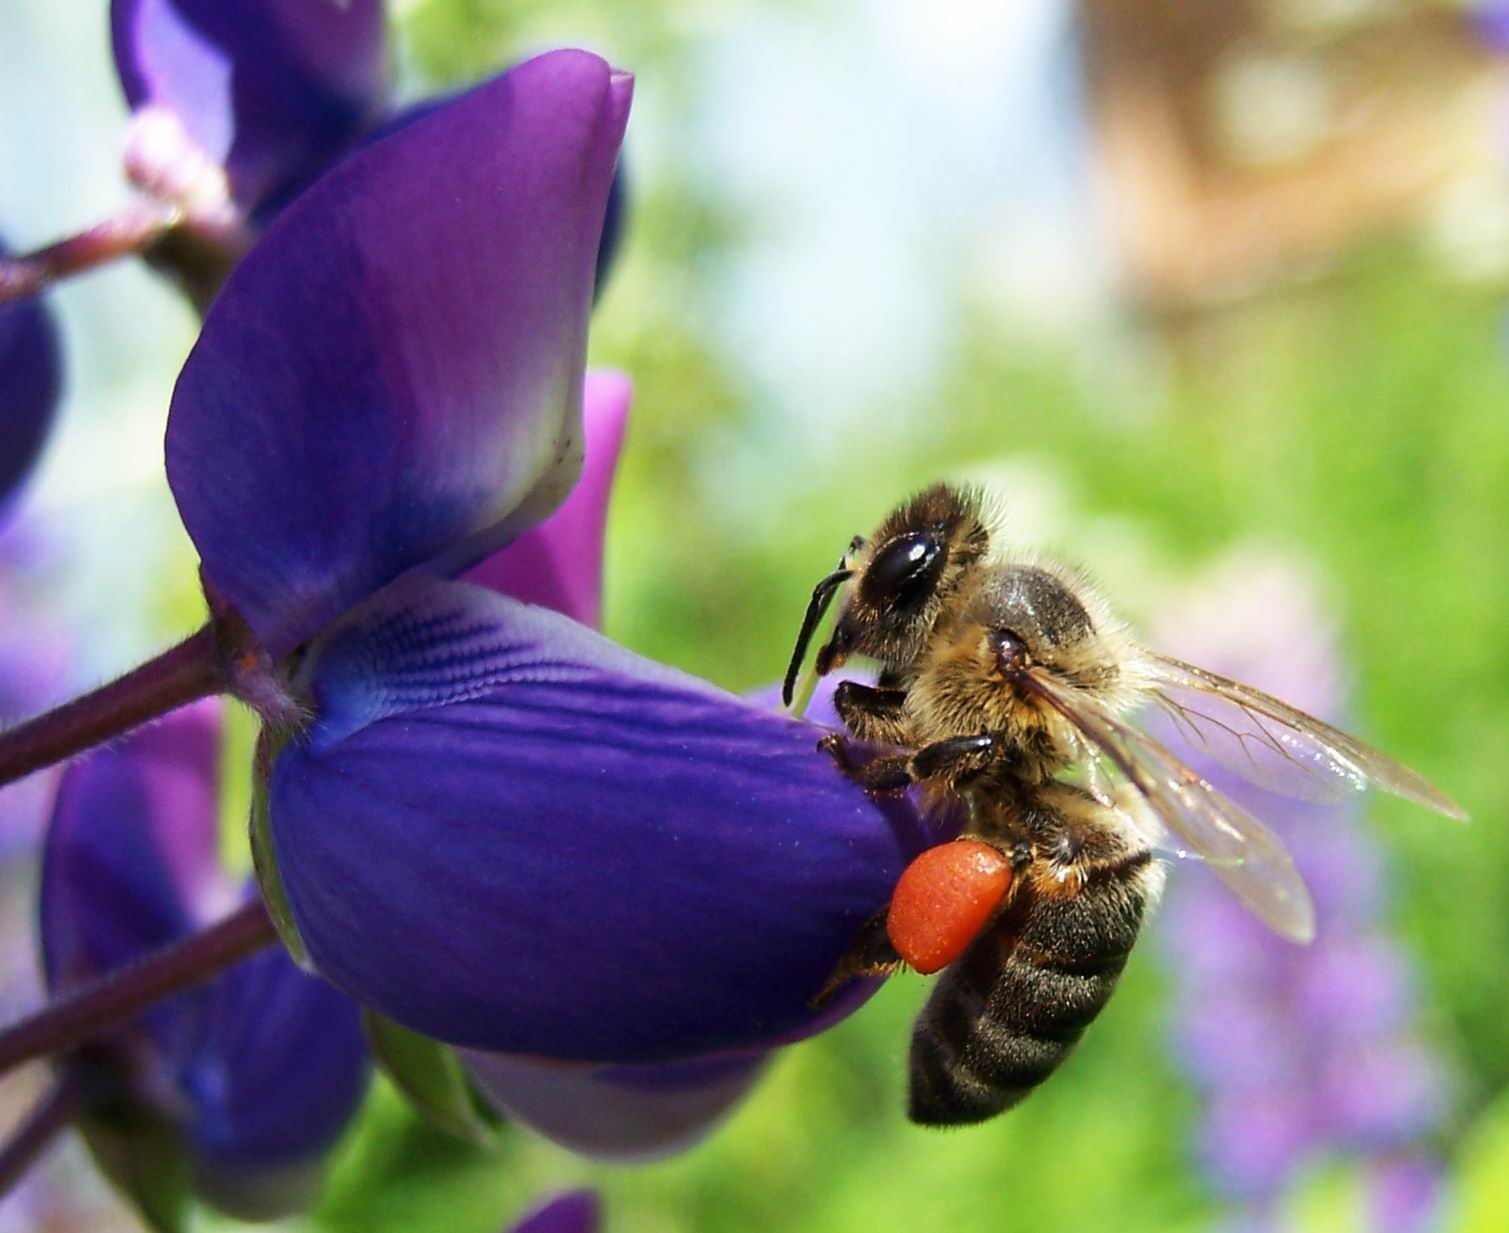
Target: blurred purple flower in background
<point>31,381</point>
<point>251,100</point>
<point>235,1089</point>
<point>1299,1052</point>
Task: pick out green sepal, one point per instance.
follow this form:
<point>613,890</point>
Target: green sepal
<point>145,1159</point>
<point>431,1076</point>
<point>269,881</point>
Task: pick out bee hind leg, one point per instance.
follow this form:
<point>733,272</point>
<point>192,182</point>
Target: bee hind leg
<point>870,954</point>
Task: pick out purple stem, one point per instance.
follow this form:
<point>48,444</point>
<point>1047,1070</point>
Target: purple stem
<point>95,1008</point>
<point>193,669</point>
<point>134,229</point>
<point>53,1114</point>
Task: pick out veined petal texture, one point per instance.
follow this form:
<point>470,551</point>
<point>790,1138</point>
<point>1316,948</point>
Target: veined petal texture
<point>272,90</point>
<point>392,377</point>
<point>507,832</point>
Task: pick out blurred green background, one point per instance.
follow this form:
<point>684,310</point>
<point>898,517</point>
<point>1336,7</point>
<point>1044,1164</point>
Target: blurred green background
<point>1176,289</point>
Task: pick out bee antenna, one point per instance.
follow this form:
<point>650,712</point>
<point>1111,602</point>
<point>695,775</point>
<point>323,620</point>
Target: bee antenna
<point>822,596</point>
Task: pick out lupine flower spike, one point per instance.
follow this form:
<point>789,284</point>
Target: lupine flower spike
<point>232,1091</point>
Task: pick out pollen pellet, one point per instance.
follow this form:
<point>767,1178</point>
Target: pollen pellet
<point>942,901</point>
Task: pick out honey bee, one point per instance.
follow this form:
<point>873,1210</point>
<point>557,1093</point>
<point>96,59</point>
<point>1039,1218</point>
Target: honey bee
<point>1004,688</point>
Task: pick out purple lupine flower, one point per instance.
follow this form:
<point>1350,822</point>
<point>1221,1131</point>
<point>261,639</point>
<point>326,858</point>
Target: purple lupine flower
<point>245,102</point>
<point>244,1083</point>
<point>1298,1051</point>
<point>576,1211</point>
<point>31,380</point>
<point>496,827</point>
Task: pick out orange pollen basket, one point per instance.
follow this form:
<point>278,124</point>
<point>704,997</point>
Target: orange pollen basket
<point>943,900</point>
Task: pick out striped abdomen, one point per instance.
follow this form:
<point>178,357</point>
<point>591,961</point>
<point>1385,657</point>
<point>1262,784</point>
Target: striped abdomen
<point>1006,1014</point>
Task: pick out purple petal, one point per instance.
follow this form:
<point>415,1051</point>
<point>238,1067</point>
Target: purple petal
<point>271,90</point>
<point>559,564</point>
<point>506,832</point>
<point>620,1113</point>
<point>276,1073</point>
<point>614,222</point>
<point>130,860</point>
<point>577,1211</point>
<point>31,381</point>
<point>392,377</point>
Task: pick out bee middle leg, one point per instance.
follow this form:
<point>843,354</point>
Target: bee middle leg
<point>896,772</point>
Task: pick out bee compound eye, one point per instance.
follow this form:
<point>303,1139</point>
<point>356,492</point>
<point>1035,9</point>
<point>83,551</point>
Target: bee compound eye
<point>1011,653</point>
<point>944,899</point>
<point>903,571</point>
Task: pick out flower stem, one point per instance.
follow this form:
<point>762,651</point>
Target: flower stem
<point>193,669</point>
<point>50,1117</point>
<point>135,228</point>
<point>115,997</point>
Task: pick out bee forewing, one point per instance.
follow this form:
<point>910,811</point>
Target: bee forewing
<point>1240,850</point>
<point>1276,746</point>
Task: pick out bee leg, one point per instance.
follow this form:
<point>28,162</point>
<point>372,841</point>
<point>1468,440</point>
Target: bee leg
<point>870,954</point>
<point>951,757</point>
<point>874,715</point>
<point>896,772</point>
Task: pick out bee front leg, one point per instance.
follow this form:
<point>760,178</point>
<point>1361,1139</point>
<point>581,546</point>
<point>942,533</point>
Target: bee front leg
<point>874,715</point>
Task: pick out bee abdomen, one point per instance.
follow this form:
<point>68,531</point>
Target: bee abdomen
<point>1005,1017</point>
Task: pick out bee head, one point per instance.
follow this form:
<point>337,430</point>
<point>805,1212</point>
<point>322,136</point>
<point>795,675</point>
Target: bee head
<point>903,577</point>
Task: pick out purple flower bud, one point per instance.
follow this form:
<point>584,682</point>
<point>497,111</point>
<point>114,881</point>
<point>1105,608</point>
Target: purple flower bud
<point>508,833</point>
<point>31,380</point>
<point>392,377</point>
<point>251,1077</point>
<point>577,1211</point>
<point>261,94</point>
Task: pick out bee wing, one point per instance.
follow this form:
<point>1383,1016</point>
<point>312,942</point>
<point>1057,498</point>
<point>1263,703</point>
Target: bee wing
<point>1240,850</point>
<point>1273,745</point>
